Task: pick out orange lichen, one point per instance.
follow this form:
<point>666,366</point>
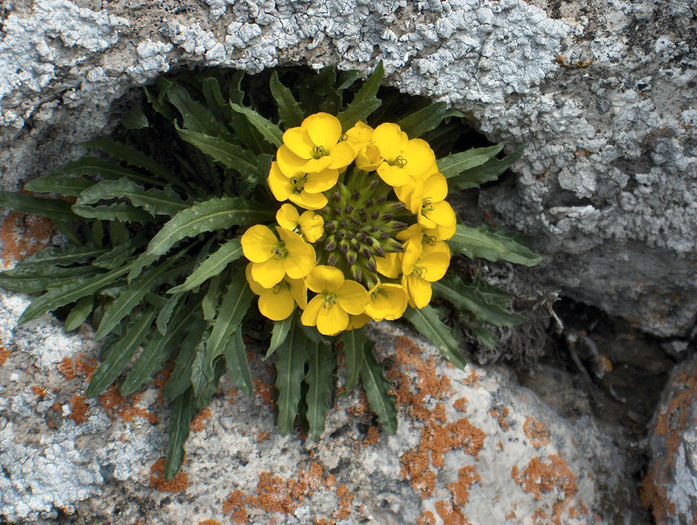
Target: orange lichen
<point>416,467</point>
<point>78,409</point>
<point>196,424</point>
<point>674,418</point>
<point>360,409</point>
<point>263,391</point>
<point>654,497</point>
<point>345,499</point>
<point>500,446</point>
<point>466,477</point>
<point>4,354</point>
<point>263,436</point>
<point>209,522</point>
<point>158,482</point>
<point>39,391</point>
<point>511,515</point>
<point>472,380</point>
<point>500,415</point>
<point>23,235</point>
<point>449,514</point>
<point>427,518</point>
<point>235,503</point>
<point>372,437</point>
<point>537,432</point>
<point>85,365</point>
<point>274,494</point>
<point>66,368</point>
<point>460,404</point>
<point>125,407</point>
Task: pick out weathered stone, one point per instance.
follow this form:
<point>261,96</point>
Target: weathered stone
<point>670,487</point>
<point>599,94</point>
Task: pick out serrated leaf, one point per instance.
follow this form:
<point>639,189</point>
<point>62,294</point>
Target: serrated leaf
<point>63,255</point>
<point>201,371</point>
<point>54,209</point>
<point>135,119</point>
<point>487,172</point>
<point>377,392</point>
<point>364,101</point>
<point>107,169</point>
<point>119,352</point>
<point>270,131</point>
<point>158,102</point>
<point>165,314</point>
<point>60,184</point>
<point>347,79</point>
<point>79,313</point>
<point>289,111</point>
<point>132,157</point>
<point>35,278</point>
<point>354,347</point>
<point>180,416</point>
<point>428,324</point>
<point>112,212</point>
<point>180,380</point>
<point>215,214</point>
<point>212,266</point>
<point>210,301</point>
<point>236,301</point>
<point>236,362</point>
<point>492,245</point>
<point>54,298</point>
<point>320,382</point>
<point>214,99</point>
<point>426,119</point>
<point>154,201</point>
<point>455,163</point>
<point>115,257</point>
<point>141,262</point>
<point>196,116</point>
<point>279,333</point>
<point>290,371</point>
<point>468,298</point>
<point>228,154</point>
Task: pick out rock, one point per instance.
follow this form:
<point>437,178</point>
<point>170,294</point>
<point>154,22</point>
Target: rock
<point>598,94</point>
<point>465,439</point>
<point>670,487</point>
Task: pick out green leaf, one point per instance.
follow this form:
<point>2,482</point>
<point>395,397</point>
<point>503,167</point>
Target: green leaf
<point>141,262</point>
<point>63,255</point>
<point>158,102</point>
<point>426,119</point>
<point>116,257</point>
<point>79,313</point>
<point>492,245</point>
<point>347,79</point>
<point>279,334</point>
<point>180,380</point>
<point>428,324</point>
<point>210,301</point>
<point>107,169</point>
<point>456,163</point>
<point>60,184</point>
<point>154,201</point>
<point>468,298</point>
<point>165,314</point>
<point>364,101</point>
<point>54,209</point>
<point>236,362</point>
<point>215,214</point>
<point>214,99</point>
<point>132,157</point>
<point>135,119</point>
<point>290,371</point>
<point>320,382</point>
<point>483,335</point>
<point>180,416</point>
<point>221,150</point>
<point>377,392</point>
<point>37,278</point>
<point>54,298</point>
<point>354,347</point>
<point>289,111</point>
<point>489,171</point>
<point>119,352</point>
<point>212,266</point>
<point>202,372</point>
<point>236,301</point>
<point>112,212</point>
<point>196,116</point>
<point>270,131</point>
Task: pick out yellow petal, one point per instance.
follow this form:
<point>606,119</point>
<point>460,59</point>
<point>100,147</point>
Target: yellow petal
<point>323,129</point>
<point>289,163</point>
<point>435,187</point>
<point>360,134</point>
<point>390,265</point>
<point>255,286</point>
<point>298,289</point>
<point>321,181</point>
<point>309,201</point>
<point>342,155</point>
<point>368,158</point>
<point>324,278</point>
<point>311,225</point>
<point>443,214</point>
<point>411,231</point>
<point>301,255</point>
<point>435,261</point>
<point>387,301</point>
<point>393,175</point>
<point>316,165</point>
<point>419,157</point>
<point>331,319</point>
<point>309,316</point>
<point>287,217</point>
<point>390,140</point>
<point>259,243</point>
<point>269,273</point>
<point>358,321</point>
<point>299,142</point>
<point>280,185</point>
<point>352,297</point>
<point>418,290</point>
<point>406,192</point>
<point>277,303</point>
<point>413,249</point>
<point>443,233</point>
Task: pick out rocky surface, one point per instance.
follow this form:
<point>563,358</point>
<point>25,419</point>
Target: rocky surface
<point>465,439</point>
<point>600,96</point>
<point>670,487</point>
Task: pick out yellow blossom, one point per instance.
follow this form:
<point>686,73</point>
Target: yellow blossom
<point>302,189</point>
<point>358,321</point>
<point>336,298</point>
<point>403,159</point>
<point>426,199</point>
<point>386,301</point>
<point>310,224</point>
<point>278,302</point>
<point>273,259</point>
<point>423,264</point>
<point>361,136</point>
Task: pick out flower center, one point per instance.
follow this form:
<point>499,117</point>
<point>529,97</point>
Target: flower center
<point>400,162</point>
<point>426,206</point>
<point>318,152</point>
<point>280,251</point>
<point>329,299</point>
<point>298,183</point>
<point>418,270</point>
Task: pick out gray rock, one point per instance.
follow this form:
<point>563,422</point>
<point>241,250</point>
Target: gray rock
<point>670,487</point>
<point>598,94</point>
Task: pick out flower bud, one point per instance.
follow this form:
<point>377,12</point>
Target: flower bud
<point>330,243</point>
<point>344,247</point>
<point>356,272</point>
<point>351,258</point>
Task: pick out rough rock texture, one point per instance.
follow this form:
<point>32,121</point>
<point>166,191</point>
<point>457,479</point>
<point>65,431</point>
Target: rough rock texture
<point>599,94</point>
<point>670,487</point>
<point>466,439</point>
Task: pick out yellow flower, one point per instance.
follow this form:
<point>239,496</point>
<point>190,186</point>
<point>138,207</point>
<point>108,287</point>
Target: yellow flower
<point>426,199</point>
<point>422,265</point>
<point>386,301</point>
<point>302,189</point>
<point>390,265</point>
<point>273,259</point>
<point>278,302</point>
<point>403,159</point>
<point>309,223</point>
<point>315,146</point>
<point>358,321</point>
<point>439,233</point>
<point>360,136</point>
<point>336,298</point>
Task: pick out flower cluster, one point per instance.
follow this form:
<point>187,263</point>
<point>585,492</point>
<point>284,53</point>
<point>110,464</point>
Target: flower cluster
<point>372,237</point>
